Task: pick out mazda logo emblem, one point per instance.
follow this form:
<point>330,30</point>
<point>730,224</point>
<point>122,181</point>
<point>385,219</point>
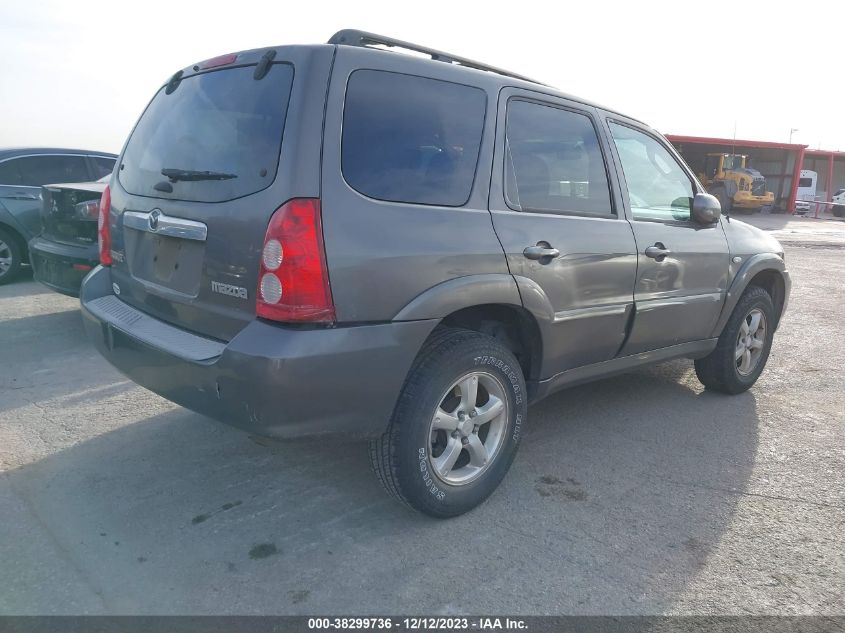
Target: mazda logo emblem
<point>153,219</point>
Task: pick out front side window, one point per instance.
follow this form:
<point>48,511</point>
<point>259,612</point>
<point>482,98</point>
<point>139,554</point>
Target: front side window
<point>658,187</point>
<point>52,169</point>
<point>411,139</point>
<point>553,163</point>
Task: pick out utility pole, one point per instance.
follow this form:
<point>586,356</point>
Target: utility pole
<point>791,130</point>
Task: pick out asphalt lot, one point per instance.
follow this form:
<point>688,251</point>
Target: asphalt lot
<point>636,494</point>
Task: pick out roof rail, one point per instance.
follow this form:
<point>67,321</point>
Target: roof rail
<point>353,37</point>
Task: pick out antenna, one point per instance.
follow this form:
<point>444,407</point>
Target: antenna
<point>733,147</point>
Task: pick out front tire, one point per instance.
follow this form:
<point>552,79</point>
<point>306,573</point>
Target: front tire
<point>743,347</point>
<point>457,424</point>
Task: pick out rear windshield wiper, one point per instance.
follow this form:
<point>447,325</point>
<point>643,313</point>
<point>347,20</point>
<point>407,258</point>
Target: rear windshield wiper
<point>189,174</point>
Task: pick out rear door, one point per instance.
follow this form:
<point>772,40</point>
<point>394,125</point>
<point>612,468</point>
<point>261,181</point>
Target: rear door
<point>186,243</point>
<point>682,267</point>
<point>557,216</point>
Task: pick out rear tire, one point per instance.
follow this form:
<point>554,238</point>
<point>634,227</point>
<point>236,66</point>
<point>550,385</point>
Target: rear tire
<point>11,257</point>
<point>838,211</point>
<point>434,457</point>
<point>743,347</point>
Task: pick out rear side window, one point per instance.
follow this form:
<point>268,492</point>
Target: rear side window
<point>411,139</point>
<point>9,173</point>
<point>224,122</point>
<point>553,162</point>
<point>52,169</point>
<point>102,166</point>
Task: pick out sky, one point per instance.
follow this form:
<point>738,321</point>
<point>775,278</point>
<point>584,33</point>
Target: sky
<point>79,73</point>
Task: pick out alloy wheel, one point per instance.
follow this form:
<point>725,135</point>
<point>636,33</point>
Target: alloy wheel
<point>5,258</point>
<point>468,429</point>
<point>750,342</point>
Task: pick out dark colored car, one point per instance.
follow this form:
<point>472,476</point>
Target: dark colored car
<point>339,239</point>
<point>23,171</point>
<point>67,250</point>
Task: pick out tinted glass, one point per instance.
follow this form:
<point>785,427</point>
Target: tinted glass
<point>805,182</point>
<point>222,121</point>
<point>45,170</point>
<point>411,139</point>
<point>102,166</point>
<point>658,187</point>
<point>553,162</point>
<point>9,173</point>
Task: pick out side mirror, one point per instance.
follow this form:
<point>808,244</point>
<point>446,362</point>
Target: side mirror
<point>706,209</point>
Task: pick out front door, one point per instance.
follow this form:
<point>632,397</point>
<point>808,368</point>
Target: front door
<point>562,229</point>
<point>682,267</point>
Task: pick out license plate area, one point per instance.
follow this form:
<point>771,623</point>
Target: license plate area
<point>170,262</point>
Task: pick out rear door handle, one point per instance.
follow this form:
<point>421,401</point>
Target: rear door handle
<point>541,251</point>
<point>658,252</point>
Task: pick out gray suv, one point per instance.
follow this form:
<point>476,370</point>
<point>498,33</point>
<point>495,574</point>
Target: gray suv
<point>340,238</point>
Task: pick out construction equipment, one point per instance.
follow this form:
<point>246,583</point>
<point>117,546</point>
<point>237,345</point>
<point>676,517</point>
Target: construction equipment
<point>727,177</point>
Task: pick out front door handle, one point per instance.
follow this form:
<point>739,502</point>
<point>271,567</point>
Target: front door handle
<point>658,252</point>
<point>541,251</point>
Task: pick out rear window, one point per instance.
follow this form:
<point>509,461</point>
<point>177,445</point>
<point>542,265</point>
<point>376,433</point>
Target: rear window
<point>411,139</point>
<point>224,122</point>
<point>805,182</point>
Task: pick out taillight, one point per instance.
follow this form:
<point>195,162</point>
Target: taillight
<point>293,284</point>
<point>104,228</point>
<point>88,210</point>
<point>214,62</point>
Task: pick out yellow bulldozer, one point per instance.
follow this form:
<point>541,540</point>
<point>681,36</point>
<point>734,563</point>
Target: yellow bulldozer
<point>736,185</point>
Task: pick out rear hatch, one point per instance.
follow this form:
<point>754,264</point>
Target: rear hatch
<point>69,212</point>
<point>202,173</point>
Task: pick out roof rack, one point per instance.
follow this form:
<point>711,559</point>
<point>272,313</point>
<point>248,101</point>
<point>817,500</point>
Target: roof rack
<point>353,37</point>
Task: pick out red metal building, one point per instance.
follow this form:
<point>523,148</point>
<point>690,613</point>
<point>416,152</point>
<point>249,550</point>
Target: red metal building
<point>780,163</point>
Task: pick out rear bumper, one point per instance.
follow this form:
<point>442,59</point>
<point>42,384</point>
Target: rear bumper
<point>61,267</point>
<point>269,380</point>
